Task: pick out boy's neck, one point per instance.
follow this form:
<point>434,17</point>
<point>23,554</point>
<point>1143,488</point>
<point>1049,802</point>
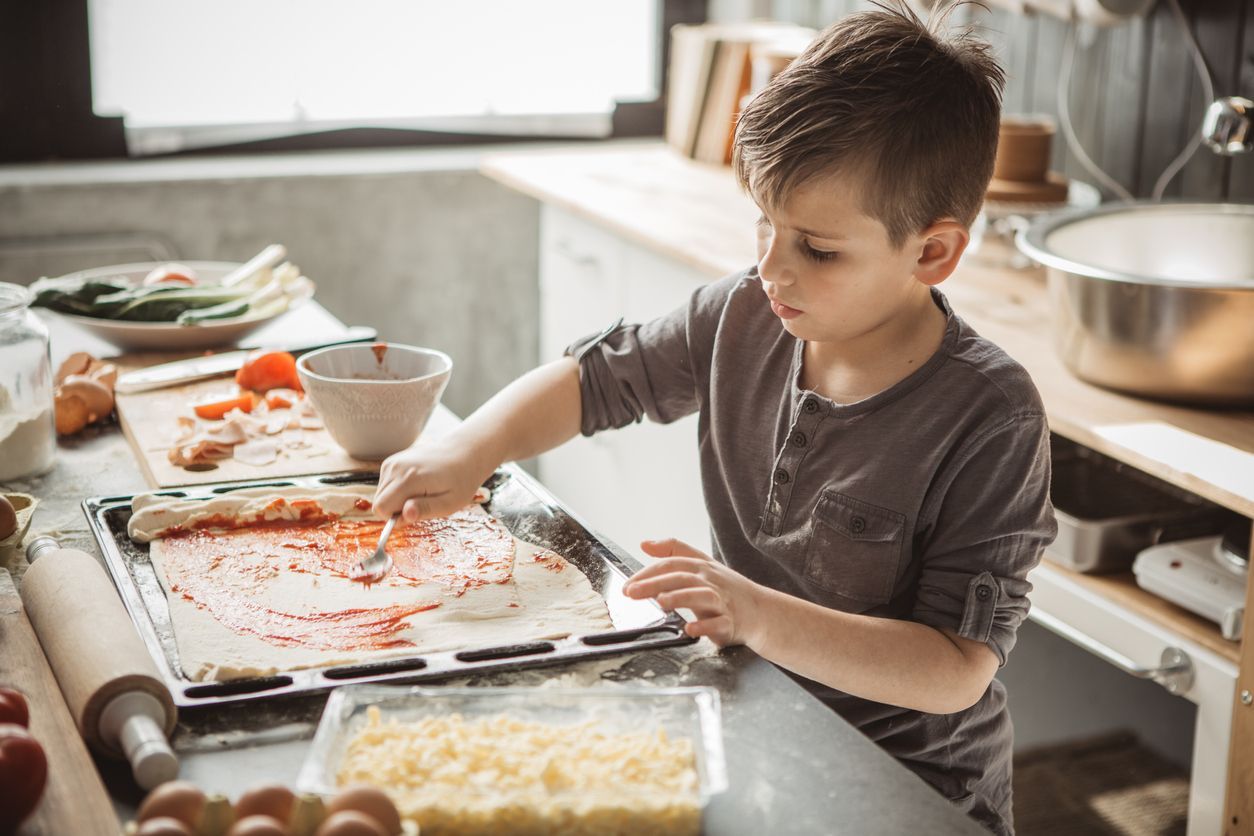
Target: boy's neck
<point>854,370</point>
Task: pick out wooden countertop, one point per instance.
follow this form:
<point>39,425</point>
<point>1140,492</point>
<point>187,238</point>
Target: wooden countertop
<point>697,214</point>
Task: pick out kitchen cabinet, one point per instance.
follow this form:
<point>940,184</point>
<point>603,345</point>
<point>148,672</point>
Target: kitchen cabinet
<point>643,213</point>
<point>588,279</point>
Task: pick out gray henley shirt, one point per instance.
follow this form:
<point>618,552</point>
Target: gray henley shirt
<point>928,501</point>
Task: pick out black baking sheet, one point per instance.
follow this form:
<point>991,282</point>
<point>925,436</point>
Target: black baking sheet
<point>521,503</point>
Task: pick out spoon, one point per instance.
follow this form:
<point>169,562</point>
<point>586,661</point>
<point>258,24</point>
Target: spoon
<point>376,567</point>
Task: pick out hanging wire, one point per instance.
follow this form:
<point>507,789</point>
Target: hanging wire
<point>1064,118</point>
<point>1208,95</point>
<point>1073,141</point>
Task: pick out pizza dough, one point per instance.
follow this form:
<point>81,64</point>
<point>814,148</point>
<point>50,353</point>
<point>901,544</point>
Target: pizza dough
<point>256,582</point>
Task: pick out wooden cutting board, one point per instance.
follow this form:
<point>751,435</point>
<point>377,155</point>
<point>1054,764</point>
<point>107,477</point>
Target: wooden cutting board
<point>150,422</point>
<point>74,800</point>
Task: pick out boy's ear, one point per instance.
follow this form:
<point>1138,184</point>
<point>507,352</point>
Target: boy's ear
<point>943,244</point>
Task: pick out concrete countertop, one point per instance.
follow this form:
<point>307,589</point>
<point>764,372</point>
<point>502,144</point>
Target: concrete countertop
<point>794,766</point>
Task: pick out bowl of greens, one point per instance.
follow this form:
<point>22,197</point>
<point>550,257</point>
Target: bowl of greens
<point>164,306</point>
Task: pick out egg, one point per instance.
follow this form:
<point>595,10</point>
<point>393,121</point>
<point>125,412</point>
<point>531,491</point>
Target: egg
<point>163,826</point>
<point>274,800</point>
<point>350,823</point>
<point>257,826</point>
<point>373,802</point>
<point>180,800</point>
<point>8,517</point>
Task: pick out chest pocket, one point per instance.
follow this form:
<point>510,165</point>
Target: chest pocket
<point>855,548</point>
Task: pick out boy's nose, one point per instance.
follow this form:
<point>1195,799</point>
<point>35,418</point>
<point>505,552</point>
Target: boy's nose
<point>771,266</point>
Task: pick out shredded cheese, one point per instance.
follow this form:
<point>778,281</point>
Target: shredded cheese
<point>503,775</point>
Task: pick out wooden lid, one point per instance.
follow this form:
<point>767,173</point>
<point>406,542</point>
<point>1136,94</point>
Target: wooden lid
<point>1052,190</point>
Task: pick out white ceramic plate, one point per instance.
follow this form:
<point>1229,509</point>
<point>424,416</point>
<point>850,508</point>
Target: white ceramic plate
<point>169,336</point>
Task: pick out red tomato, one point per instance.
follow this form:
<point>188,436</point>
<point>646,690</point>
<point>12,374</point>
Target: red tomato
<point>23,773</point>
<point>217,409</point>
<point>13,708</point>
<point>265,370</point>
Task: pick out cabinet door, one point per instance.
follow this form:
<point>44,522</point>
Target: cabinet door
<point>643,480</point>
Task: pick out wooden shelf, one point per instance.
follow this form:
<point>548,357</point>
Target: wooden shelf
<point>1011,309</point>
<point>1121,590</point>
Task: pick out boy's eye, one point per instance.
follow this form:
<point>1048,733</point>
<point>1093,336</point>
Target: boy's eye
<point>817,255</point>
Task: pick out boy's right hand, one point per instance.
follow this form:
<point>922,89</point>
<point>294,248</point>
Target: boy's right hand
<point>429,479</point>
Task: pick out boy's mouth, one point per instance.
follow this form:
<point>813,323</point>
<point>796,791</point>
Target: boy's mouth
<point>783,311</point>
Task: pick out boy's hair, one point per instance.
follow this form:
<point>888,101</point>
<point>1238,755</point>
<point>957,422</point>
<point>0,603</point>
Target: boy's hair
<point>880,96</point>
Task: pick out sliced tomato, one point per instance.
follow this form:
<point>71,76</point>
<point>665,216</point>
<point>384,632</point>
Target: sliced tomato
<point>171,274</point>
<point>217,409</point>
<point>281,398</point>
<point>265,370</point>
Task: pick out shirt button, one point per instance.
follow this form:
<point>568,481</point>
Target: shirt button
<point>811,406</point>
<point>983,593</point>
<point>799,439</point>
<point>857,525</point>
<point>781,477</point>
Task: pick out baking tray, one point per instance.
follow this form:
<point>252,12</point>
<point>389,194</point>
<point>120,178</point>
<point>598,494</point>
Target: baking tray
<point>1107,512</point>
<point>521,503</point>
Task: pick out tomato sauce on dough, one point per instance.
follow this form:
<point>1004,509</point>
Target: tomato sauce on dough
<point>226,570</point>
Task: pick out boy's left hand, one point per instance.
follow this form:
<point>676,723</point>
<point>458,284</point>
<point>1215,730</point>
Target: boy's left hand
<point>723,600</point>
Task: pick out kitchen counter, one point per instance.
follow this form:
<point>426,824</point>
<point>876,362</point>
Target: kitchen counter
<point>696,215</point>
<point>794,766</point>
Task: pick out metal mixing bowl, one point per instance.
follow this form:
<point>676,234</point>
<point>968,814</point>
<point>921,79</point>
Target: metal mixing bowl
<point>1153,299</point>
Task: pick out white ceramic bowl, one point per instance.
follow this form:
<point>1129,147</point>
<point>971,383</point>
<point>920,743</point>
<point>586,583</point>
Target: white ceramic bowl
<point>374,399</point>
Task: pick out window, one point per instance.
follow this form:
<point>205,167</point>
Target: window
<point>184,73</point>
<point>122,77</point>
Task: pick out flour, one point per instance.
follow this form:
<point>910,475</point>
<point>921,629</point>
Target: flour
<point>27,441</point>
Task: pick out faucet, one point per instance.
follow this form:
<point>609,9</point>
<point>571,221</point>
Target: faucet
<point>1226,126</point>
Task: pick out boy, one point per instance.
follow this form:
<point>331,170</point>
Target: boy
<point>876,474</point>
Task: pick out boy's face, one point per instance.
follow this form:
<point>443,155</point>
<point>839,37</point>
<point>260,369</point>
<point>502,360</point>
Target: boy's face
<point>829,271</point>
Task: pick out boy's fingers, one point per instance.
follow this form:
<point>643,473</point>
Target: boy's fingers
<point>702,600</point>
<point>667,565</point>
<point>719,629</point>
<point>671,547</point>
<point>424,507</point>
<point>389,498</point>
<point>650,587</point>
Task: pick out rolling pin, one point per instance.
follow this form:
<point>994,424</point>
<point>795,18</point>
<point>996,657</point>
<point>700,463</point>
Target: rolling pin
<point>74,800</point>
<point>110,683</point>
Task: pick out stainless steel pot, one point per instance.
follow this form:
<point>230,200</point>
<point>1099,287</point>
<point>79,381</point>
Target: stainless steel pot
<point>1153,299</point>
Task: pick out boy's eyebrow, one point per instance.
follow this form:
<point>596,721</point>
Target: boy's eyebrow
<point>762,219</point>
<point>813,234</point>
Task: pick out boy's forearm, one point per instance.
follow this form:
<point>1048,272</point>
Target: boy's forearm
<point>891,661</point>
<point>530,416</point>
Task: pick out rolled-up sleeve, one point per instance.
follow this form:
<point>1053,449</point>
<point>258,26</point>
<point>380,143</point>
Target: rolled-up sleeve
<point>994,521</point>
<point>658,369</point>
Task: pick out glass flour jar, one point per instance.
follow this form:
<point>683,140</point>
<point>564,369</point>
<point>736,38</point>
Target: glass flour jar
<point>28,440</point>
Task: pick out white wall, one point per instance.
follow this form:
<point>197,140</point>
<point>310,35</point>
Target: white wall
<point>415,243</point>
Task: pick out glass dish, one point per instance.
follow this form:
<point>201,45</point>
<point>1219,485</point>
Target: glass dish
<point>682,713</point>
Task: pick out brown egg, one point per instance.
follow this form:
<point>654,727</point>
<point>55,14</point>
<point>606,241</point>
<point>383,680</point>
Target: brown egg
<point>373,802</point>
<point>274,800</point>
<point>163,826</point>
<point>8,517</point>
<point>257,826</point>
<point>180,800</point>
<point>351,823</point>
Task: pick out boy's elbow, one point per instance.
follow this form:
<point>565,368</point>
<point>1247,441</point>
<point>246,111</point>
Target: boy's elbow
<point>973,677</point>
